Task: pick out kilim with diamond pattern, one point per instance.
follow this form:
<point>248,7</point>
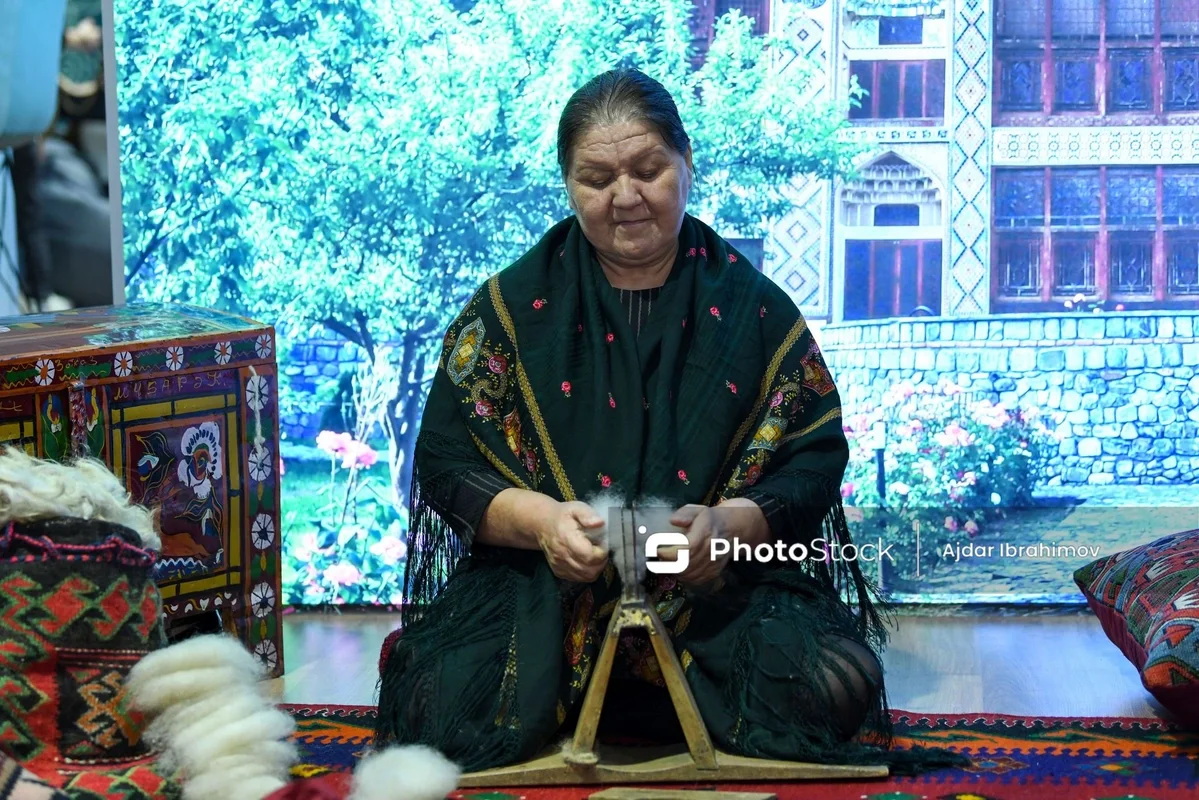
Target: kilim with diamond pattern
<point>78,609</point>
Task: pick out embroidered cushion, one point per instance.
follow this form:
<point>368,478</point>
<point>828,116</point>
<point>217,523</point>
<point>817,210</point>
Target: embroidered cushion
<point>1147,600</point>
<point>78,608</point>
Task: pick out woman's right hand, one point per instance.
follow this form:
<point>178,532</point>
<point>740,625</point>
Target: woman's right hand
<point>570,551</point>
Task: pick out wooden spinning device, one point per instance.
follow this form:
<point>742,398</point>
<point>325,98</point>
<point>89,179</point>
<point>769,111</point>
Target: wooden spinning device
<point>583,762</point>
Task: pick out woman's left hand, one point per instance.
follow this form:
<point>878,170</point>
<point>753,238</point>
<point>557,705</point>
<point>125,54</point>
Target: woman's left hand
<point>736,521</point>
<point>702,525</point>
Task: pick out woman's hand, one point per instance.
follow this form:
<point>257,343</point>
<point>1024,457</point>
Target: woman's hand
<point>733,520</point>
<point>564,538</point>
<point>702,525</point>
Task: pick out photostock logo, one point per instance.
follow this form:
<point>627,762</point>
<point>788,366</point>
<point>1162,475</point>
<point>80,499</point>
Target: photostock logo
<point>655,542</point>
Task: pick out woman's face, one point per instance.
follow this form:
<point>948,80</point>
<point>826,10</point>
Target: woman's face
<point>629,191</point>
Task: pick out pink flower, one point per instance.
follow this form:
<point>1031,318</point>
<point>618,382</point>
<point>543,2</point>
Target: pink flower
<point>683,476</point>
<point>342,574</point>
<point>359,454</point>
<point>847,489</point>
<point>611,337</point>
<point>333,443</point>
<point>752,475</point>
<point>539,304</point>
<point>971,527</point>
<point>732,386</point>
<point>605,481</point>
<point>580,327</point>
<point>732,258</point>
<point>497,364</point>
<point>566,388</point>
<point>483,408</point>
<point>691,252</point>
<point>391,549</point>
<point>951,524</point>
<point>954,435</point>
<point>611,401</point>
<point>307,548</point>
<point>714,311</point>
<point>762,311</point>
<point>703,252</point>
<point>776,400</point>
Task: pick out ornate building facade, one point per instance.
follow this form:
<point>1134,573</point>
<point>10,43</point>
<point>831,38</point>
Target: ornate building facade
<point>1028,160</point>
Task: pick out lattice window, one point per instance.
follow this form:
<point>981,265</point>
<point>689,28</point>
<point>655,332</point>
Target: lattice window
<point>1182,82</point>
<point>1130,18</point>
<point>1022,20</point>
<point>1074,265</point>
<point>1019,263</point>
<point>1182,264</point>
<point>1074,200</point>
<point>1128,75</point>
<point>1180,196</point>
<point>1180,19</point>
<point>1020,80</point>
<point>1126,234</point>
<point>900,30</point>
<point>1132,197</point>
<point>1146,70</point>
<point>1075,19</point>
<point>1074,79</point>
<point>900,89</point>
<point>1020,198</point>
<point>1130,259</point>
<point>892,278</point>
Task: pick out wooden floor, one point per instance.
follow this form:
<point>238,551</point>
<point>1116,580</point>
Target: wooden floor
<point>1025,665</point>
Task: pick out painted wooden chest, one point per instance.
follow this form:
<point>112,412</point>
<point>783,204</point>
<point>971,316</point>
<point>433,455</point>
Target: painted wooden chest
<point>183,403</point>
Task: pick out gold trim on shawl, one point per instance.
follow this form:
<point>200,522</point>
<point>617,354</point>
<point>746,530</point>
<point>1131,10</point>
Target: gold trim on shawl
<point>772,369</point>
<point>500,466</point>
<point>834,414</point>
<point>551,454</point>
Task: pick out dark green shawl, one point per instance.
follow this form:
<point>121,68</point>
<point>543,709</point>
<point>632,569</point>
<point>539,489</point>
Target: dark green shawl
<point>724,391</point>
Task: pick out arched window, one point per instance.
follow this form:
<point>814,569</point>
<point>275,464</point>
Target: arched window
<point>891,217</point>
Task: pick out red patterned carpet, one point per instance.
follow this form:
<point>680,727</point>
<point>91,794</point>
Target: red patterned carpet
<point>1014,758</point>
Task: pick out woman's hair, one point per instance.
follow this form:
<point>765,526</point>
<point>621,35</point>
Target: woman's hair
<point>32,488</point>
<point>616,96</point>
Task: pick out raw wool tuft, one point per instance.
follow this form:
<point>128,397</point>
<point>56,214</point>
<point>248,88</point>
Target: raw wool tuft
<point>410,772</point>
<point>653,513</point>
<point>209,719</point>
<point>32,489</point>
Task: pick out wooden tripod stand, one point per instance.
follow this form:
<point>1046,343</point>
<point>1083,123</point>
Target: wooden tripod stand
<point>583,763</point>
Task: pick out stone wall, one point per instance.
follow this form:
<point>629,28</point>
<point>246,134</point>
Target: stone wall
<point>309,365</point>
<point>1122,389</point>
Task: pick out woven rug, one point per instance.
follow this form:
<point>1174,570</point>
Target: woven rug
<point>1014,758</point>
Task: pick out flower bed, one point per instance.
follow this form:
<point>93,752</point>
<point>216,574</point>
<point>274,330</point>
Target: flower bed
<point>951,467</point>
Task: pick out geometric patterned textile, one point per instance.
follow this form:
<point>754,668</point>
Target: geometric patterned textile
<point>797,247</point>
<point>1012,758</point>
<point>78,608</point>
<point>968,288</point>
<point>1147,600</point>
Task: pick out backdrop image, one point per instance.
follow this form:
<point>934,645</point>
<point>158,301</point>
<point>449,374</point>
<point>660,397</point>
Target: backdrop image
<point>984,209</point>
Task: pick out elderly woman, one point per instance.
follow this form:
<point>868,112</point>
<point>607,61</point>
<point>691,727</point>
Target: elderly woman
<point>631,350</point>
